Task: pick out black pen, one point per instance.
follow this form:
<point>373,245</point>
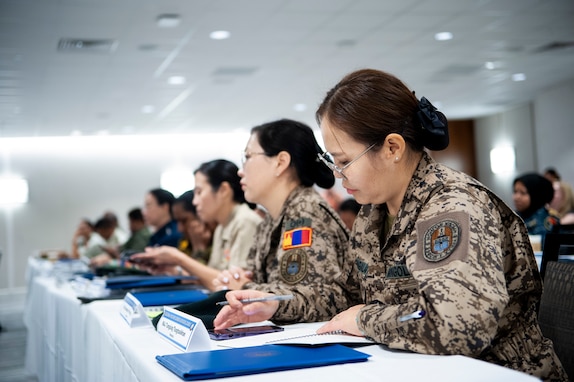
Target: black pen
<point>260,299</point>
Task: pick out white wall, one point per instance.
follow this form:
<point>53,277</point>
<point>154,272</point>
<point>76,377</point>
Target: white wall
<point>73,177</point>
<point>542,133</point>
<point>554,129</point>
<point>512,128</point>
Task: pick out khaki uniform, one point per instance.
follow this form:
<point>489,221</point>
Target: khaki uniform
<point>231,242</point>
<point>301,252</point>
<point>461,255</point>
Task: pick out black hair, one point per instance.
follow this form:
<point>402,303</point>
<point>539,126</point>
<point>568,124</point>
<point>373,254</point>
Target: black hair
<point>163,197</point>
<point>552,172</point>
<point>220,170</point>
<point>104,222</point>
<point>298,140</point>
<point>370,104</point>
<point>186,201</point>
<point>136,214</point>
<point>539,189</point>
<point>351,205</point>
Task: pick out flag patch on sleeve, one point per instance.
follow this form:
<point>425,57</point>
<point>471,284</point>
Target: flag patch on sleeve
<point>297,238</point>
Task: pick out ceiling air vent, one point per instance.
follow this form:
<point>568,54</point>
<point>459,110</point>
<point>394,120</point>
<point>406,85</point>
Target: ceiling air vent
<point>81,45</point>
<point>554,46</point>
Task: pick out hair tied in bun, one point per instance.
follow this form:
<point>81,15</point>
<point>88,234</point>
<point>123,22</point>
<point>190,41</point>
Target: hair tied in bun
<point>434,125</point>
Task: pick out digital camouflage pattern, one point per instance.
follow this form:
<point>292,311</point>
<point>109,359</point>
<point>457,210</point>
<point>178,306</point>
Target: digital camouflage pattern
<point>463,256</point>
<point>283,268</point>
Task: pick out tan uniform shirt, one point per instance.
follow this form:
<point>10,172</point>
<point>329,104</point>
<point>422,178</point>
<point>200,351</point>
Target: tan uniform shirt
<point>301,252</point>
<point>461,255</point>
<point>231,242</point>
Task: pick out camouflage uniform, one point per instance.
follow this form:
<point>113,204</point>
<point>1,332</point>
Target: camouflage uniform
<point>461,255</point>
<point>283,264</point>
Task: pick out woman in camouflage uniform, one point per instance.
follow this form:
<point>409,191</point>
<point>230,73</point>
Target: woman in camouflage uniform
<point>440,265</point>
<point>301,245</point>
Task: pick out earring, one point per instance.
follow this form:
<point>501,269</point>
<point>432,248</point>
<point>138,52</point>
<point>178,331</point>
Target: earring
<point>396,159</point>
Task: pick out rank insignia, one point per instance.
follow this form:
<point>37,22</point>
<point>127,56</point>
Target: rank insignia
<point>297,238</point>
<point>294,266</point>
<point>440,240</point>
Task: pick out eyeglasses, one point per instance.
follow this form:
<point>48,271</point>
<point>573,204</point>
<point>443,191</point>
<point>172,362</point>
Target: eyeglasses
<point>245,155</point>
<point>327,159</point>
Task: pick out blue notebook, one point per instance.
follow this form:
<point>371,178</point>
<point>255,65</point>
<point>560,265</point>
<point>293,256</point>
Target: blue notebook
<point>257,359</point>
<point>170,297</point>
<point>136,281</point>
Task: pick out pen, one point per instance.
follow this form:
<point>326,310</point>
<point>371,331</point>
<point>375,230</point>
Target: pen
<point>417,314</point>
<point>260,299</point>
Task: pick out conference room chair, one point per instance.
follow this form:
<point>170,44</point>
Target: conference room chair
<point>557,309</point>
<point>554,242</point>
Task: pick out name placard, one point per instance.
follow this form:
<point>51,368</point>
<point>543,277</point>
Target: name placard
<point>184,331</point>
<point>133,313</point>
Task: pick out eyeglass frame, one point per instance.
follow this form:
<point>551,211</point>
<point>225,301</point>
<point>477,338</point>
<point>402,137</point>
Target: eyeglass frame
<point>339,170</point>
<point>246,155</point>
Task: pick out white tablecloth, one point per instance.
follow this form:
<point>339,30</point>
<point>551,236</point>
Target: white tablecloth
<point>68,341</point>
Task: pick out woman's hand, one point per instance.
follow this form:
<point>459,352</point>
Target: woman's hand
<point>158,256</point>
<point>346,321</point>
<point>237,312</point>
<point>232,279</point>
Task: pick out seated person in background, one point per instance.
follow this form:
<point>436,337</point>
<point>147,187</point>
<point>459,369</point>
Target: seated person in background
<point>137,242</point>
<point>563,200</point>
<point>218,198</point>
<point>532,193</point>
<point>81,238</point>
<point>157,214</point>
<point>119,235</point>
<point>437,263</point>
<point>140,233</point>
<point>196,235</point>
<point>302,242</point>
<point>348,210</point>
<point>101,242</point>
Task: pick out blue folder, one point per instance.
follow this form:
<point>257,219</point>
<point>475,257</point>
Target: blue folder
<point>136,281</point>
<point>253,360</point>
<point>170,297</point>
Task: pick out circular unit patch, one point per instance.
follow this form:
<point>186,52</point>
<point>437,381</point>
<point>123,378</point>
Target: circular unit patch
<point>440,240</point>
<point>294,266</point>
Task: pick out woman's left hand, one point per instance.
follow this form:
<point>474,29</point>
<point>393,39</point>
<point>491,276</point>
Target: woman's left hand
<point>346,321</point>
<point>232,279</point>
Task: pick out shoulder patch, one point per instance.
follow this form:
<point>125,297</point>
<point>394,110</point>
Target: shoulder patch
<point>297,238</point>
<point>294,266</point>
<point>442,239</point>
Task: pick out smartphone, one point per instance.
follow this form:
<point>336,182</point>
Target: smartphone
<point>230,333</point>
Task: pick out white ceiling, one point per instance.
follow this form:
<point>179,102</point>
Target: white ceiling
<point>281,53</point>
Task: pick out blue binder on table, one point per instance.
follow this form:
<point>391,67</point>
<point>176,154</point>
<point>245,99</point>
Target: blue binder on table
<point>257,359</point>
<point>136,281</point>
<point>170,297</point>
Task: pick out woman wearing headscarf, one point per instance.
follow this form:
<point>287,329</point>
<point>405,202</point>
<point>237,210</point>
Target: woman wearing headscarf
<point>532,193</point>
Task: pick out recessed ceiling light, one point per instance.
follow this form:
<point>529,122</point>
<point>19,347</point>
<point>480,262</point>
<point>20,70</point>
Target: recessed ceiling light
<point>168,21</point>
<point>443,36</point>
<point>489,65</point>
<point>148,109</point>
<point>219,35</point>
<point>300,107</point>
<point>518,77</point>
<point>176,80</point>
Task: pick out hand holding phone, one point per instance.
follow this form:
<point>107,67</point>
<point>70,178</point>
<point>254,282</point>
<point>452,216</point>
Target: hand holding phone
<point>229,333</point>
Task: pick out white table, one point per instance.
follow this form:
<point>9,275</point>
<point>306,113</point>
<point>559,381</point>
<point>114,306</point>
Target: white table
<point>73,342</point>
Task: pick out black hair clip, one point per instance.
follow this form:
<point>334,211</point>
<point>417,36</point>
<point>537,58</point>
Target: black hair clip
<point>434,125</point>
